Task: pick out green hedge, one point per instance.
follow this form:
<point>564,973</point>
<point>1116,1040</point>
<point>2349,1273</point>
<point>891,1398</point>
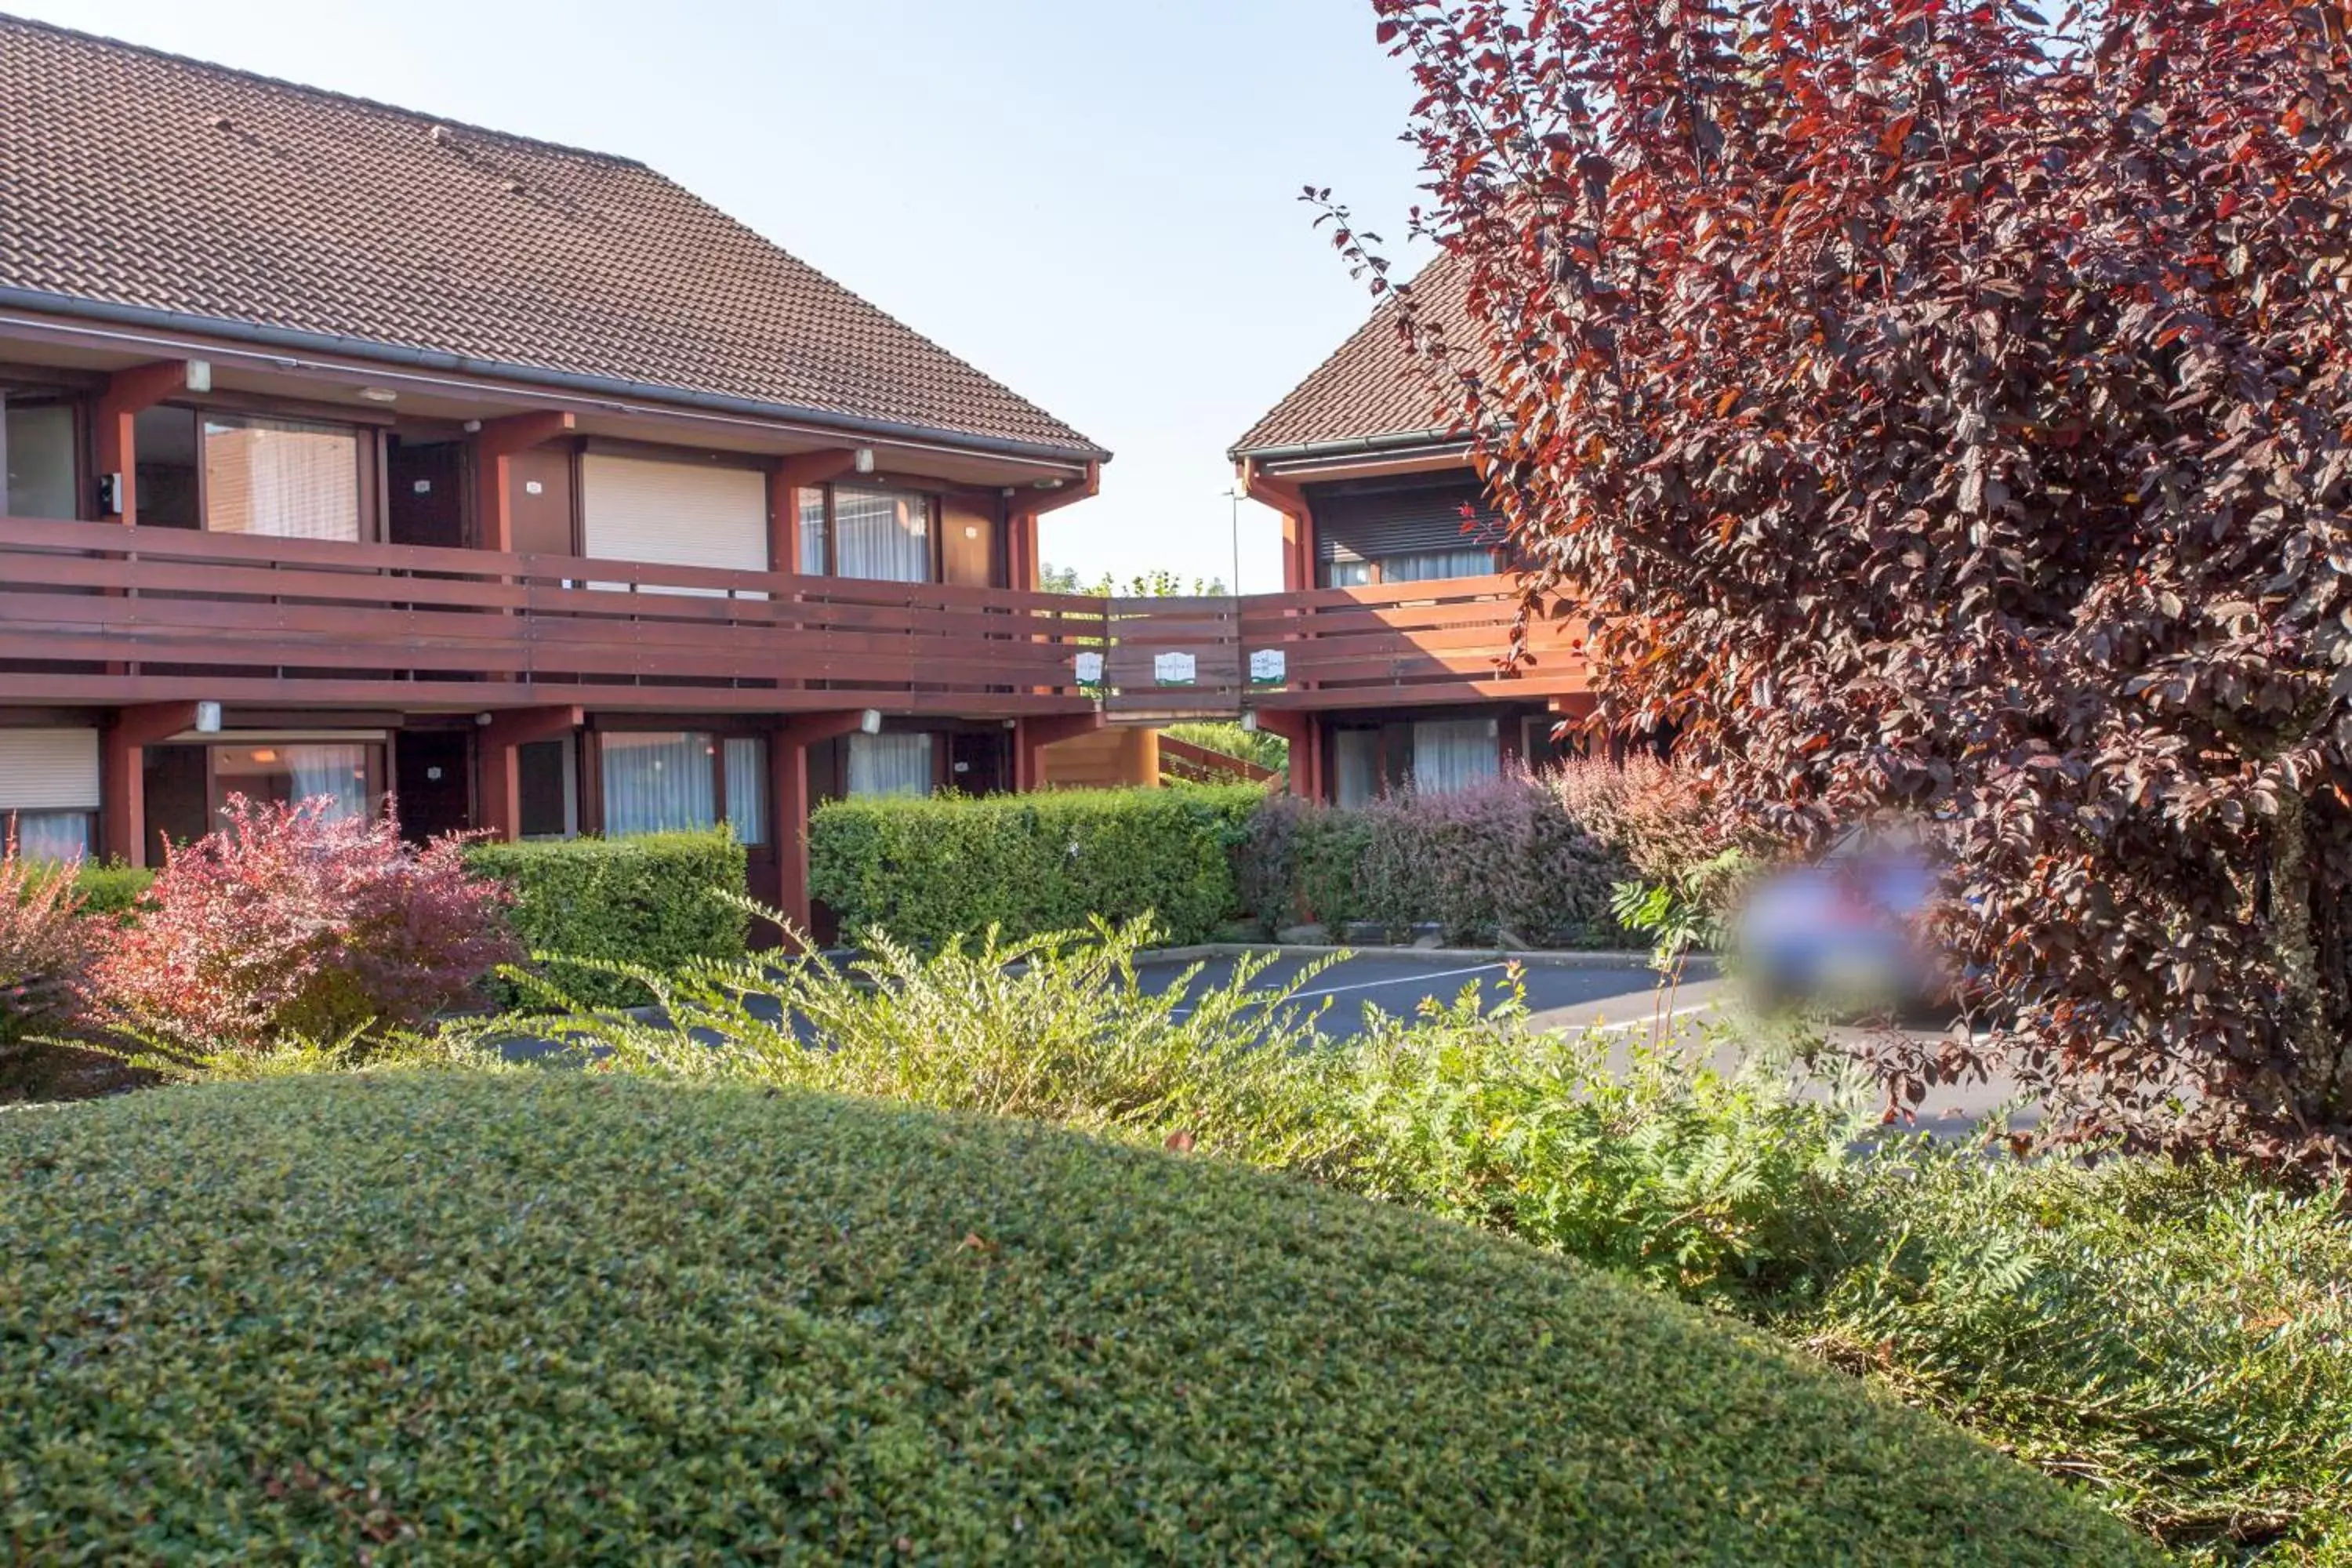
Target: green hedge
<point>648,900</point>
<point>548,1317</point>
<point>930,870</point>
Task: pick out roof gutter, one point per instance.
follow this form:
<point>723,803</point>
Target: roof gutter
<point>820,421</point>
<point>1353,446</point>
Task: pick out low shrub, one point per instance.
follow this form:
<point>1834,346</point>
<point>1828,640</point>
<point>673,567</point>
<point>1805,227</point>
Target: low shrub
<point>289,923</point>
<point>664,900</point>
<point>2175,1338</point>
<point>113,890</point>
<point>46,948</point>
<point>577,1317</point>
<point>1056,1028</point>
<point>1719,1183</point>
<point>1499,856</point>
<point>1297,859</point>
<point>930,870</point>
<point>1262,747</point>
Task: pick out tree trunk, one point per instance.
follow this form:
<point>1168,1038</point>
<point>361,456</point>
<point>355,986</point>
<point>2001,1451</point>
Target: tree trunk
<point>2320,1063</point>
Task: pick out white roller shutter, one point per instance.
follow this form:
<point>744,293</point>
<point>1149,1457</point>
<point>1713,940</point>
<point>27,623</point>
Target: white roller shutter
<point>675,514</point>
<point>48,769</point>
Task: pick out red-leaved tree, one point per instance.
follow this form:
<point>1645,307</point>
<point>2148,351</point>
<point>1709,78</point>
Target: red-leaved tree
<point>288,922</point>
<point>1937,407</point>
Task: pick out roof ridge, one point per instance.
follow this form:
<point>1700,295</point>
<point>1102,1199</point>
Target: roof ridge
<point>1365,341</point>
<point>9,19</point>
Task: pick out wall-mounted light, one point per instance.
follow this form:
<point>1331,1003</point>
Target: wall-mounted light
<point>200,375</point>
<point>1249,721</point>
<point>378,395</point>
<point>870,722</point>
<point>862,459</point>
<point>208,717</point>
<point>1049,484</point>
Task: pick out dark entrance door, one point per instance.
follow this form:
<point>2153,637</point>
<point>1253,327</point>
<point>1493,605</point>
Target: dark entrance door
<point>976,760</point>
<point>431,782</point>
<point>427,501</point>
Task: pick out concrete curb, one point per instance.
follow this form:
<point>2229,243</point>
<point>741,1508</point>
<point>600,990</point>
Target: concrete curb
<point>1537,958</point>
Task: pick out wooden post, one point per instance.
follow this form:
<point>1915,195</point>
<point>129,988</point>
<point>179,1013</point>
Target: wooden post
<point>788,791</point>
<point>501,738</point>
<point>121,771</point>
<point>128,392</point>
<point>1306,775</point>
<point>497,440</point>
<point>1032,736</point>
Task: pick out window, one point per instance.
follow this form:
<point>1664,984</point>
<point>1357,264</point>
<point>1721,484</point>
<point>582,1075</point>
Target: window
<point>281,477</point>
<point>48,792</point>
<point>37,477</point>
<point>746,788</point>
<point>878,535</point>
<point>1356,767</point>
<point>550,788</point>
<point>344,775</point>
<point>659,782</point>
<point>815,554</point>
<point>1430,565</point>
<point>674,781</point>
<point>1451,754</point>
<point>233,473</point>
<point>889,765</point>
<point>1414,566</point>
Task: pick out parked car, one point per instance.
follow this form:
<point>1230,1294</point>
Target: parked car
<point>1847,933</point>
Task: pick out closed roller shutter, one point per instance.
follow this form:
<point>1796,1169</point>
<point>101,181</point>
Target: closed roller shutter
<point>1365,525</point>
<point>674,514</point>
<point>48,769</point>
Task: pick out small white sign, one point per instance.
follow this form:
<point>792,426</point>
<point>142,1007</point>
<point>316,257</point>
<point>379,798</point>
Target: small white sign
<point>1090,668</point>
<point>1269,667</point>
<point>1172,668</point>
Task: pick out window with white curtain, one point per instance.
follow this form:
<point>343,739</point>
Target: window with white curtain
<point>884,535</point>
<point>288,774</point>
<point>1356,767</point>
<point>746,757</point>
<point>889,764</point>
<point>1429,565</point>
<point>659,782</point>
<point>812,547</point>
<point>49,791</point>
<point>281,477</point>
<point>36,461</point>
<point>1451,754</point>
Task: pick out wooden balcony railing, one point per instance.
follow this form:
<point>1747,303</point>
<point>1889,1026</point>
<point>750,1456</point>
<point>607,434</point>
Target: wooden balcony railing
<point>99,612</point>
<point>1398,644</point>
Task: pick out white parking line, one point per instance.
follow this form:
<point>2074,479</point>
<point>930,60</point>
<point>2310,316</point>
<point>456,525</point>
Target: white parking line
<point>1651,1020</point>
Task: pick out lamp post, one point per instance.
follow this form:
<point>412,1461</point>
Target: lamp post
<point>1235,496</point>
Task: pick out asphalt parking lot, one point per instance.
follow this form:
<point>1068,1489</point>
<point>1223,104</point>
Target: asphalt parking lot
<point>1611,994</point>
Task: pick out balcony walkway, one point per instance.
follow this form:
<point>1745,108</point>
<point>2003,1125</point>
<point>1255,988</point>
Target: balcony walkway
<point>99,614</point>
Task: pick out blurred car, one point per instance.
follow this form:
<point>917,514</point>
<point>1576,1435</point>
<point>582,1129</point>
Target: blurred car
<point>1845,934</point>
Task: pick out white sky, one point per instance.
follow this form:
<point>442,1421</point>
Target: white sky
<point>1095,201</point>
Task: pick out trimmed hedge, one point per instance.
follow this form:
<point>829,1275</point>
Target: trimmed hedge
<point>114,888</point>
<point>930,870</point>
<point>570,1318</point>
<point>649,900</point>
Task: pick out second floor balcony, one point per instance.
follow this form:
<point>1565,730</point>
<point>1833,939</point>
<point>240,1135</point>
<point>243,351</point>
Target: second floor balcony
<point>104,614</point>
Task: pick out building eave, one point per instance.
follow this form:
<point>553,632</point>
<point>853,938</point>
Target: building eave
<point>817,421</point>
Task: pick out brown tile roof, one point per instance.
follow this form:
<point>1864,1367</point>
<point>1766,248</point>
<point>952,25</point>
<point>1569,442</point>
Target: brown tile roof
<point>1369,387</point>
<point>130,177</point>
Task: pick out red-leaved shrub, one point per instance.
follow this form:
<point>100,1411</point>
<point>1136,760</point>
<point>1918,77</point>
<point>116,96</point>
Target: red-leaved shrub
<point>45,946</point>
<point>1658,818</point>
<point>1499,857</point>
<point>291,922</point>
